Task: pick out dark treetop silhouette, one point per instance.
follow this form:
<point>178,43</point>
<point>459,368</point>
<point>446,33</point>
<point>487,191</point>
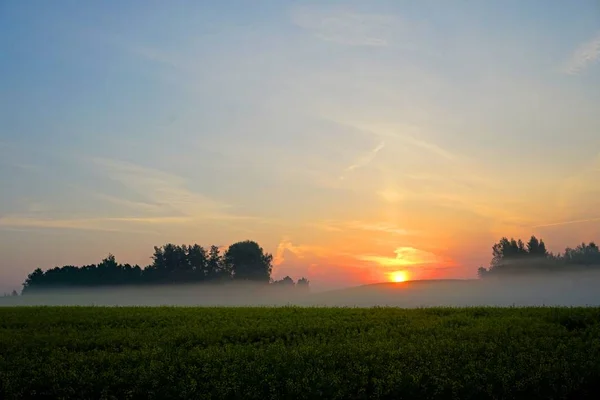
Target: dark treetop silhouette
<point>171,264</point>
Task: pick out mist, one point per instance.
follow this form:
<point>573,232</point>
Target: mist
<point>558,289</point>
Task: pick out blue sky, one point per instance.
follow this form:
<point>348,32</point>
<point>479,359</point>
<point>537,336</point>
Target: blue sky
<point>334,133</point>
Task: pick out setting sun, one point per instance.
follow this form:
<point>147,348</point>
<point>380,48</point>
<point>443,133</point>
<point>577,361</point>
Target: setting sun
<point>398,276</point>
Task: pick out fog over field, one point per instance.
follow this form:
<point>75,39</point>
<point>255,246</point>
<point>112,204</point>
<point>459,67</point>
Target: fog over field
<point>575,289</point>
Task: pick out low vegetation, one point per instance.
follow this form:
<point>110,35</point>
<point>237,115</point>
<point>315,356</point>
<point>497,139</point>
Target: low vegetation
<point>301,353</point>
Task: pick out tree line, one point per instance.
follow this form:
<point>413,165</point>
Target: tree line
<point>247,261</point>
<point>243,261</point>
<point>510,257</point>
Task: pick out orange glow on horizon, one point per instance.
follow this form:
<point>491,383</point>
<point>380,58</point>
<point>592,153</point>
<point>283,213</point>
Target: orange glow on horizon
<point>398,276</point>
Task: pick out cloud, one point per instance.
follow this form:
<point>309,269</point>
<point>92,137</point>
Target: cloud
<point>585,55</point>
<point>93,224</point>
<point>400,133</point>
<point>166,201</point>
<point>346,27</point>
<point>405,257</point>
<point>136,205</point>
<point>299,251</point>
<point>163,189</point>
<point>431,147</point>
<point>367,158</point>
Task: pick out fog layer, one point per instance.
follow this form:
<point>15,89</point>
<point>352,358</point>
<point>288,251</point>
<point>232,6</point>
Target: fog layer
<point>580,289</point>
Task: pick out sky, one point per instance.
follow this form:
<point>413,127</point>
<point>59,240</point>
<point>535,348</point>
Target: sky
<point>350,139</point>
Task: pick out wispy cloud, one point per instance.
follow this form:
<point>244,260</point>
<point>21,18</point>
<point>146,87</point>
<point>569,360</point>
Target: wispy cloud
<point>585,55</point>
<point>92,224</point>
<point>135,205</point>
<point>432,147</point>
<point>161,188</point>
<point>575,221</point>
<point>344,26</point>
<point>167,200</point>
<point>365,159</point>
<point>405,134</point>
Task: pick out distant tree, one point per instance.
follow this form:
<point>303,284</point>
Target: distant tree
<point>248,262</point>
<point>507,250</point>
<point>14,293</point>
<point>302,283</point>
<point>482,272</point>
<point>287,281</point>
<point>583,255</point>
<point>512,256</point>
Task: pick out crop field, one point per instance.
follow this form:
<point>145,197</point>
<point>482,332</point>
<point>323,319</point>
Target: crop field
<point>300,353</point>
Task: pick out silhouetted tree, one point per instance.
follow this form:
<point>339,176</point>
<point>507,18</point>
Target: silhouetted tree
<point>287,281</point>
<point>302,283</point>
<point>513,257</point>
<point>170,264</point>
<point>215,266</point>
<point>536,248</point>
<point>582,255</point>
<point>248,262</point>
<point>482,272</point>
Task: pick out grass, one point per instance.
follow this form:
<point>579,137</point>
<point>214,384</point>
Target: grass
<point>300,353</point>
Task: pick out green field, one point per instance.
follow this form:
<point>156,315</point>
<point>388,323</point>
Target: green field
<point>311,353</point>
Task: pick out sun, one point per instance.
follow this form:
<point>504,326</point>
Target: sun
<point>398,276</point>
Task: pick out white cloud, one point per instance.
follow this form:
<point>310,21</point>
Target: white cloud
<point>585,55</point>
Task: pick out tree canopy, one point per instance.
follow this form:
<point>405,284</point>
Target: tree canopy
<point>171,264</point>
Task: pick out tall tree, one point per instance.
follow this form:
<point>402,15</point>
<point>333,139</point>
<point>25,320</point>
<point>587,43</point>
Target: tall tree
<point>197,259</point>
<point>215,268</point>
<point>248,262</point>
<point>536,248</point>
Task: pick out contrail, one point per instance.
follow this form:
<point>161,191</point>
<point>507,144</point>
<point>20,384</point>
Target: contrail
<point>367,158</point>
<point>576,221</point>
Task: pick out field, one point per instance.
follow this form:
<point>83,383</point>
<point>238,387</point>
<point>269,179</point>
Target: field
<point>301,353</point>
